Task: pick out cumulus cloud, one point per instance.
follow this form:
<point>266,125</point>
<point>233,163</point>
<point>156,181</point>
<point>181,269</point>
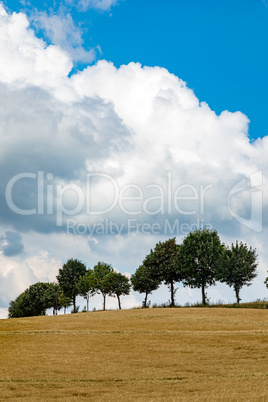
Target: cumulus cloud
<point>27,60</point>
<point>14,281</point>
<point>18,273</point>
<point>103,164</point>
<point>175,134</point>
<point>60,29</point>
<point>11,244</point>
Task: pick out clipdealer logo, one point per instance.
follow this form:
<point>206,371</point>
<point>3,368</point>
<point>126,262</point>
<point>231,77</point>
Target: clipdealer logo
<point>130,200</point>
<point>69,200</point>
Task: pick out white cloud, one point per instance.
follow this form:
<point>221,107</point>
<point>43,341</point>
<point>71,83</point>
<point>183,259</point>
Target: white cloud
<point>10,243</point>
<point>61,30</point>
<point>25,58</point>
<point>103,5</point>
<point>14,279</point>
<point>141,126</point>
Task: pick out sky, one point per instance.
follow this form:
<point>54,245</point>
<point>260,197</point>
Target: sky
<point>124,123</point>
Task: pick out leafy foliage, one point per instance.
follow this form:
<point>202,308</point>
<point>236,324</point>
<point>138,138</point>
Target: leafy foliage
<point>199,256</point>
<point>64,301</point>
<point>116,284</point>
<point>52,296</point>
<point>19,307</point>
<point>87,286</point>
<point>143,282</point>
<point>100,270</point>
<point>266,282</point>
<point>32,302</point>
<point>164,266</point>
<point>237,267</point>
<point>69,276</point>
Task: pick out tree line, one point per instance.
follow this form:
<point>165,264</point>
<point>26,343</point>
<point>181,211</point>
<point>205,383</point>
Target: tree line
<point>200,261</point>
<point>73,279</point>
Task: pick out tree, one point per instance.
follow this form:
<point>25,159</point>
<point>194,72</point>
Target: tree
<point>100,270</point>
<point>52,297</point>
<point>199,256</point>
<point>32,302</point>
<point>87,286</point>
<point>164,266</point>
<point>116,284</point>
<point>143,282</point>
<point>64,301</point>
<point>266,282</point>
<point>238,267</point>
<point>68,277</point>
<point>19,307</point>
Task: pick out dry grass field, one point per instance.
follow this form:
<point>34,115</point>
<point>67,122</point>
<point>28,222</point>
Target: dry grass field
<point>183,354</point>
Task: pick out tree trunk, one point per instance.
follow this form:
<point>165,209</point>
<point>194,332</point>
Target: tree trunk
<point>74,304</point>
<point>237,295</point>
<point>145,300</point>
<point>64,310</point>
<point>104,297</point>
<point>119,303</point>
<point>172,294</point>
<point>204,301</point>
<point>87,302</point>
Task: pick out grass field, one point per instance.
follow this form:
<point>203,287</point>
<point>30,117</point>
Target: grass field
<point>186,354</point>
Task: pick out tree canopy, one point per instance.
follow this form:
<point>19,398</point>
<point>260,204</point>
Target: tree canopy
<point>64,301</point>
<point>52,296</point>
<point>238,267</point>
<point>164,265</point>
<point>100,270</point>
<point>199,257</point>
<point>87,286</point>
<point>34,301</point>
<point>116,284</point>
<point>68,277</point>
<point>143,282</point>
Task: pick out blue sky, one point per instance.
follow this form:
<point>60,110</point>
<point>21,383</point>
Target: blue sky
<point>123,123</point>
<point>218,48</point>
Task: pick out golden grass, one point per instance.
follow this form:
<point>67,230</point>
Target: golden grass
<point>137,355</point>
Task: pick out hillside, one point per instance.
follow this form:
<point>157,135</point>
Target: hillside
<point>152,354</point>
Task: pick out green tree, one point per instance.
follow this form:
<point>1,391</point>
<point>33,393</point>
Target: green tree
<point>87,286</point>
<point>32,302</point>
<point>19,307</point>
<point>68,277</point>
<point>116,284</point>
<point>266,282</point>
<point>100,270</point>
<point>143,282</point>
<point>65,301</point>
<point>238,267</point>
<point>199,257</point>
<point>52,297</point>
<point>164,265</point>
